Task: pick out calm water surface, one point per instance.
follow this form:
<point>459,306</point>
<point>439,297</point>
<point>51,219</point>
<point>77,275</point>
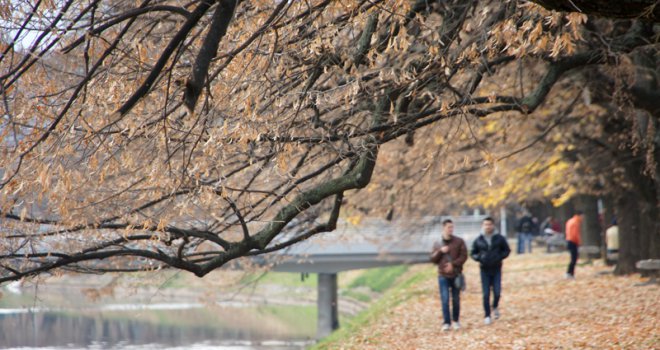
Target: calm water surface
<point>154,326</point>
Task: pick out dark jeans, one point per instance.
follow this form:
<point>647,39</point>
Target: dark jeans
<point>445,285</point>
<point>573,249</point>
<point>491,279</point>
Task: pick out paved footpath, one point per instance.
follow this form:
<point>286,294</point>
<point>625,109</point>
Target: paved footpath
<point>540,310</point>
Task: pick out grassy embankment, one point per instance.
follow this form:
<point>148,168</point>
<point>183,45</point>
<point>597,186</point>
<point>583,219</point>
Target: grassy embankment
<point>397,284</point>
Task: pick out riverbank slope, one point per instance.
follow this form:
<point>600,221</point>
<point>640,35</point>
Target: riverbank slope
<point>540,310</point>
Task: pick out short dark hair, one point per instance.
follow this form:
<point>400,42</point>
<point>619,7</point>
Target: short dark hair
<point>447,221</point>
<point>488,218</point>
<point>578,212</point>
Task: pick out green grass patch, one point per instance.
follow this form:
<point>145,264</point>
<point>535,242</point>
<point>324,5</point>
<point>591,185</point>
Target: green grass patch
<point>380,279</point>
<point>392,297</point>
<point>356,295</point>
<point>177,280</point>
<point>281,278</point>
<point>300,318</point>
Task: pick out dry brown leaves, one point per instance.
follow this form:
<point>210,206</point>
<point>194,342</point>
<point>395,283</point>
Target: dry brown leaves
<point>540,310</point>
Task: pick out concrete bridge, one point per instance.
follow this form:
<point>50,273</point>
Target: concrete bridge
<point>372,243</point>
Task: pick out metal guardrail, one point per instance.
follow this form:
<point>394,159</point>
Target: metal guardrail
<point>373,243</point>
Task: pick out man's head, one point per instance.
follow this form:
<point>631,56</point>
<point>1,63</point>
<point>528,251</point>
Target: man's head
<point>488,225</point>
<point>447,229</point>
<point>578,213</point>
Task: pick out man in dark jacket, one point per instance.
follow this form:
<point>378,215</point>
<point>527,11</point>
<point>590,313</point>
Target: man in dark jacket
<point>525,230</point>
<point>449,255</point>
<point>489,249</point>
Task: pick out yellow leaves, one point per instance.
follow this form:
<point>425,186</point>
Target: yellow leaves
<point>575,21</point>
<point>64,210</point>
<point>44,177</point>
<point>223,192</point>
<point>541,45</point>
<point>438,139</point>
<point>569,44</point>
<point>102,174</point>
<point>147,224</point>
<point>434,50</point>
<point>491,126</point>
<point>548,178</point>
<point>554,19</point>
<point>66,182</point>
<point>354,220</point>
<point>556,47</point>
<point>535,34</point>
<point>519,39</point>
<point>444,105</point>
<point>143,53</point>
<point>282,162</point>
<point>372,187</point>
<point>489,158</point>
<point>564,197</point>
<point>563,43</point>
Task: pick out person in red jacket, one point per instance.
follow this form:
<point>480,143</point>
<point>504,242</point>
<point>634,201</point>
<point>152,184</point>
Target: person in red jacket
<point>449,255</point>
<point>573,240</point>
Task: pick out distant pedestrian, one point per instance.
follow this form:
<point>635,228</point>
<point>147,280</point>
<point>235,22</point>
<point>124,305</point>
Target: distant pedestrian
<point>552,233</point>
<point>612,238</point>
<point>550,226</point>
<point>449,255</point>
<point>525,230</point>
<point>489,249</point>
<point>573,241</point>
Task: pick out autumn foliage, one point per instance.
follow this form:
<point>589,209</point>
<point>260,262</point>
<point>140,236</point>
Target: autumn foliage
<point>189,134</point>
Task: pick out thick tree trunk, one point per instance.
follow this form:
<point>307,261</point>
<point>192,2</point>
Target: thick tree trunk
<point>630,244</point>
<point>609,212</point>
<point>638,222</point>
<point>591,230</point>
<point>654,233</point>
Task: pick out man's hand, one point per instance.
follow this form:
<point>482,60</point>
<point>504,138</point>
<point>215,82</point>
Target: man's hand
<point>444,249</point>
<point>448,268</point>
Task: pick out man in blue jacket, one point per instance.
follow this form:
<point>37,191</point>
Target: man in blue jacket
<point>489,249</point>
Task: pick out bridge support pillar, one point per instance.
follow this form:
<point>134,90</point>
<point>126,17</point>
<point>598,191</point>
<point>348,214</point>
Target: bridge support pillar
<point>326,301</point>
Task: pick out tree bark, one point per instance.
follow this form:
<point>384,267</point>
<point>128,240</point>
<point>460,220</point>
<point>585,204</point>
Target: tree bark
<point>638,227</point>
<point>591,235</point>
<point>630,247</point>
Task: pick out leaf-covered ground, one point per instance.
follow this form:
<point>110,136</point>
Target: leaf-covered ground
<point>540,310</point>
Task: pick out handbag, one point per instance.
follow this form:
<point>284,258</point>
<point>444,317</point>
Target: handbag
<point>459,282</point>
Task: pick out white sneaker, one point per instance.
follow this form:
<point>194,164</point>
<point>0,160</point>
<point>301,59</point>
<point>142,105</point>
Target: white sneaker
<point>445,327</point>
<point>487,321</point>
<point>456,326</point>
<point>496,313</point>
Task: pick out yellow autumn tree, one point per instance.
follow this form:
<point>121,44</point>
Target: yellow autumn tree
<point>190,134</point>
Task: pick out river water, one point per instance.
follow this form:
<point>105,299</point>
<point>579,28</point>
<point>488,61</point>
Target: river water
<point>25,324</point>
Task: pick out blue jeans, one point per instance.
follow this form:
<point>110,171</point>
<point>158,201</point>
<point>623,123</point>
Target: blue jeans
<point>524,242</point>
<point>445,285</point>
<point>491,279</point>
